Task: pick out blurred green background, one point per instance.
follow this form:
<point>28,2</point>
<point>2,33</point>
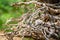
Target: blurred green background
<point>7,11</point>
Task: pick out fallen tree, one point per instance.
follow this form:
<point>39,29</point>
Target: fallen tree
<point>42,24</point>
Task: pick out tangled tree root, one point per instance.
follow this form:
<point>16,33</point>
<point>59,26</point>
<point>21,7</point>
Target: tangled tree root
<point>43,24</point>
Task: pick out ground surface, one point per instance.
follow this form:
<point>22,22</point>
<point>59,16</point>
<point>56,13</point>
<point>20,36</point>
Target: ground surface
<point>4,38</point>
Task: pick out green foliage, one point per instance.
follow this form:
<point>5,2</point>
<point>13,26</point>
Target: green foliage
<point>7,11</point>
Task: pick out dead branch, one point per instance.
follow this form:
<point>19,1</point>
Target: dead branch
<point>54,11</point>
<point>40,26</point>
